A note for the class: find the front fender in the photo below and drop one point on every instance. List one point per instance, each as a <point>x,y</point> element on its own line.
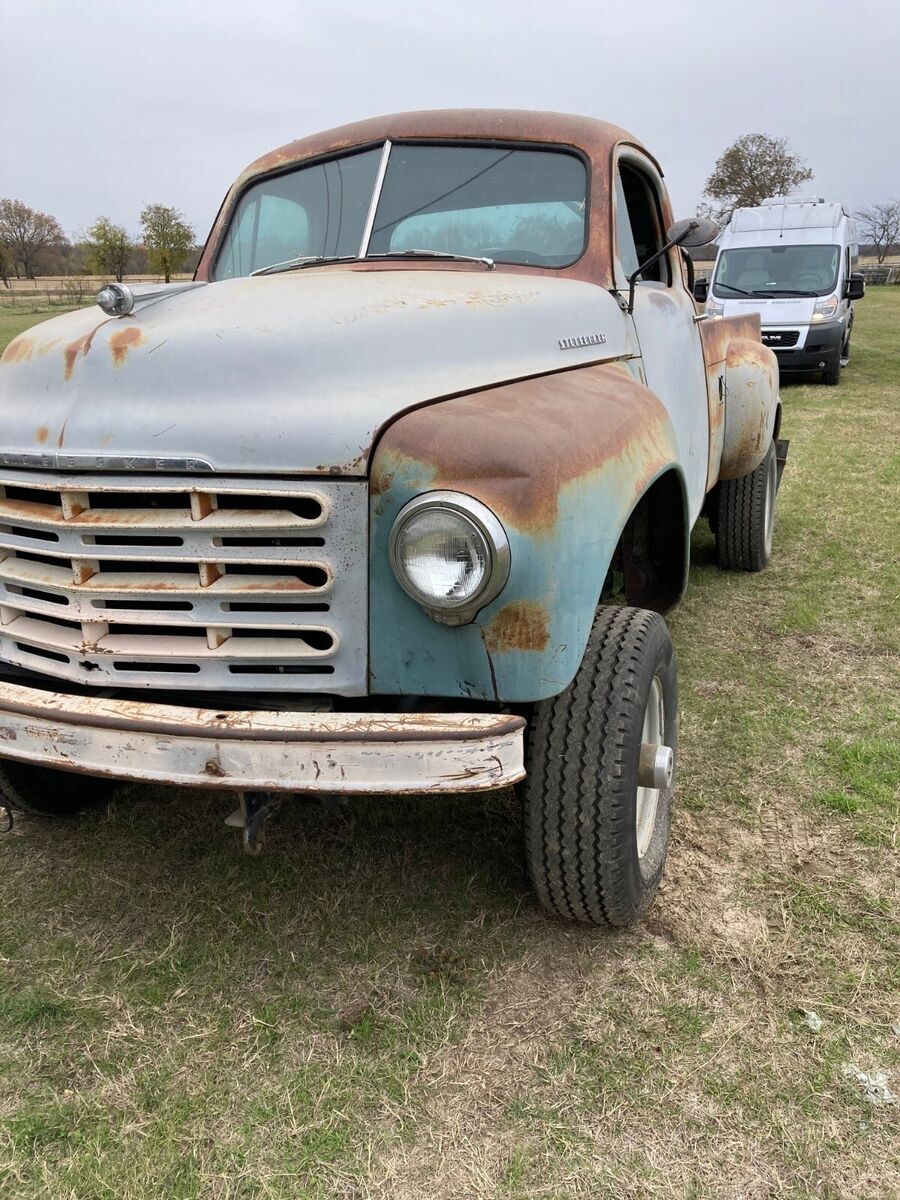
<point>562,460</point>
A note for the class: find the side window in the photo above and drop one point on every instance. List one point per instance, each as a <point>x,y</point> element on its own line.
<point>639,222</point>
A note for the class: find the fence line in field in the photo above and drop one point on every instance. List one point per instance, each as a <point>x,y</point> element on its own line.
<point>68,290</point>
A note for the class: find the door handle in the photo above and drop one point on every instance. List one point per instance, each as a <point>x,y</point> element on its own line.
<point>700,317</point>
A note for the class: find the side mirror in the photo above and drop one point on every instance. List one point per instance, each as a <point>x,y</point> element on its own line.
<point>856,287</point>
<point>701,290</point>
<point>694,231</point>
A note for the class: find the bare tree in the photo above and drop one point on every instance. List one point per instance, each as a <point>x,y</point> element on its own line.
<point>27,235</point>
<point>167,237</point>
<point>879,226</point>
<point>751,170</point>
<point>109,247</point>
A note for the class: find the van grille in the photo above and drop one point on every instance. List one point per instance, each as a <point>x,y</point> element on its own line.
<point>219,583</point>
<point>779,339</point>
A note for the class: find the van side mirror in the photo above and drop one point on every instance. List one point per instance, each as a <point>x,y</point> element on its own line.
<point>701,290</point>
<point>856,286</point>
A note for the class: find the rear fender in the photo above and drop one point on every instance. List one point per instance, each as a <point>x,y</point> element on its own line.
<point>751,406</point>
<point>563,461</point>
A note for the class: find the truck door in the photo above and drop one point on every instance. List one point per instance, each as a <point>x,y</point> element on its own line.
<point>665,318</point>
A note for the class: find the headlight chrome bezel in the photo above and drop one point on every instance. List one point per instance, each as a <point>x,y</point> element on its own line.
<point>485,524</point>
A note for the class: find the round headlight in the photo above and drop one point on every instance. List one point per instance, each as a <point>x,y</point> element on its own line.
<point>450,554</point>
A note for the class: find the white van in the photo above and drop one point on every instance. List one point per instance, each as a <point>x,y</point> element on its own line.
<point>791,260</point>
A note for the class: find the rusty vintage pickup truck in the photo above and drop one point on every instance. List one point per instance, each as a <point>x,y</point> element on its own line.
<point>390,497</point>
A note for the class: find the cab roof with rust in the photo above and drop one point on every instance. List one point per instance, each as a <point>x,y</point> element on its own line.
<point>594,138</point>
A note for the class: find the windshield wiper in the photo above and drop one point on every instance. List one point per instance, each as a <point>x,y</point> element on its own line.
<point>474,258</point>
<point>784,292</point>
<point>732,288</point>
<point>312,260</point>
<point>306,260</point>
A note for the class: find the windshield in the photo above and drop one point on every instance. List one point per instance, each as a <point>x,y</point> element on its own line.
<point>508,204</point>
<point>775,270</point>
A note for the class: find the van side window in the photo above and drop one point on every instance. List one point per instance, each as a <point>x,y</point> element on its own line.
<point>639,223</point>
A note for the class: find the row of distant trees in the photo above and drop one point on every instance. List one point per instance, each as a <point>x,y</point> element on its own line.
<point>757,166</point>
<point>33,243</point>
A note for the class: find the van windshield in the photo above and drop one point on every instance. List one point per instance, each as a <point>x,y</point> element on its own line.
<point>507,203</point>
<point>777,270</point>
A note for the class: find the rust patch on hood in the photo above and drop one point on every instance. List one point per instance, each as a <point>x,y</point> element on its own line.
<point>80,346</point>
<point>122,341</point>
<point>18,350</point>
<point>522,625</point>
<point>515,447</point>
<point>41,434</point>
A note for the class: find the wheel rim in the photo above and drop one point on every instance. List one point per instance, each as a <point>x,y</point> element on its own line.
<point>771,488</point>
<point>653,733</point>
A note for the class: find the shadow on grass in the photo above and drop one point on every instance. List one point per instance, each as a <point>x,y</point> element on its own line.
<point>395,880</point>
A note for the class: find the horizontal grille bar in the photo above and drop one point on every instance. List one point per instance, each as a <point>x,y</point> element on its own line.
<point>105,583</point>
<point>97,520</point>
<point>157,646</point>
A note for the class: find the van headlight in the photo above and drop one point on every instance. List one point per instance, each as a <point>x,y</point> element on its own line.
<point>450,554</point>
<point>715,308</point>
<point>825,308</point>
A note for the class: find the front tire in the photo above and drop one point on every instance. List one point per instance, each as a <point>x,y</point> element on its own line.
<point>831,376</point>
<point>744,522</point>
<point>45,792</point>
<point>595,840</point>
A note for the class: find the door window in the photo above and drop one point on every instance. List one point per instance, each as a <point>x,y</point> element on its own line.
<point>639,225</point>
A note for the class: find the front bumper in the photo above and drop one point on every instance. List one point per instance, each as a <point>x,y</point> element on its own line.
<point>347,753</point>
<point>823,343</point>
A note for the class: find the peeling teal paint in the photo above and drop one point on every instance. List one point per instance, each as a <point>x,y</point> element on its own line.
<point>558,574</point>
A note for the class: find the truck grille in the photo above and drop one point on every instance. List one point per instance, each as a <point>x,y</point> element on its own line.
<point>199,582</point>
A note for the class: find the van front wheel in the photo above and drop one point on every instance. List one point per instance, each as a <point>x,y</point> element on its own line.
<point>832,373</point>
<point>600,759</point>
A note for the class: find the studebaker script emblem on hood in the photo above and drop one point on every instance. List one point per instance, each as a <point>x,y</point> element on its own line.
<point>103,462</point>
<point>587,339</point>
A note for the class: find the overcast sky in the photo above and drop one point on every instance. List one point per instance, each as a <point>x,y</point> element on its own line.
<point>111,104</point>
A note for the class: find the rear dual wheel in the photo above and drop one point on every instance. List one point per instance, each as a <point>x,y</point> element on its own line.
<point>743,517</point>
<point>600,759</point>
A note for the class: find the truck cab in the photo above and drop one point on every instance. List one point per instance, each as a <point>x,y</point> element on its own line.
<point>390,498</point>
<point>793,261</point>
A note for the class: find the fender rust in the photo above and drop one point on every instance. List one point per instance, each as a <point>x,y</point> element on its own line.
<point>517,446</point>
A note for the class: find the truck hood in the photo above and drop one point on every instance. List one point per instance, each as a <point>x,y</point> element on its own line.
<point>292,373</point>
<point>774,312</point>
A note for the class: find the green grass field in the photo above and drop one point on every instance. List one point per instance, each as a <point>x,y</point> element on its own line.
<point>375,1008</point>
<point>14,321</point>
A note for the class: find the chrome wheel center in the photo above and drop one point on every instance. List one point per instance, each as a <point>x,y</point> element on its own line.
<point>655,768</point>
<point>769,515</point>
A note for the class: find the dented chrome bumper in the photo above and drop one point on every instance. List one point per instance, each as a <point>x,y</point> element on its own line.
<point>349,753</point>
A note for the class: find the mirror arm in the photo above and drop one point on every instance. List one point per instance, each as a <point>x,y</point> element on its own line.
<point>633,277</point>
